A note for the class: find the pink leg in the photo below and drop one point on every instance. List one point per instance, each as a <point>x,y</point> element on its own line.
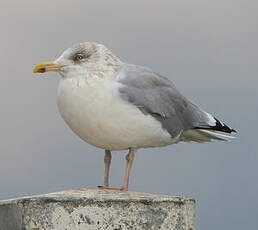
<point>107,160</point>
<point>129,161</point>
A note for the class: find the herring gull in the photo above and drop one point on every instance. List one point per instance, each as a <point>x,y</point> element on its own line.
<point>118,106</point>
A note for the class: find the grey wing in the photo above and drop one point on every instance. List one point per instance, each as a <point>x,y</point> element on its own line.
<point>155,95</point>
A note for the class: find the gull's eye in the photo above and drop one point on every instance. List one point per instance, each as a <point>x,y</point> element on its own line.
<point>78,57</point>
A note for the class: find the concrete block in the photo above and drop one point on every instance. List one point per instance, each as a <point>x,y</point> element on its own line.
<point>96,209</point>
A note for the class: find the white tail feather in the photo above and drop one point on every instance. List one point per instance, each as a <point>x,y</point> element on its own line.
<point>201,135</point>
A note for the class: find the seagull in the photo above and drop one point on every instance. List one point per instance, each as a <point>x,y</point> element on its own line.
<point>113,105</point>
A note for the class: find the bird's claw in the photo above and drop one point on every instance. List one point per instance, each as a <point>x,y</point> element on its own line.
<point>116,189</point>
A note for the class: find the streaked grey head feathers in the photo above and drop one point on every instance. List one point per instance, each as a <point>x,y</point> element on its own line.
<point>87,58</point>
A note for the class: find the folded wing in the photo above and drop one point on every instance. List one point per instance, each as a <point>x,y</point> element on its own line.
<point>156,95</point>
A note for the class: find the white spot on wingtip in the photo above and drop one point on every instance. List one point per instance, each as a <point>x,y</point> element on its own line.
<point>212,121</point>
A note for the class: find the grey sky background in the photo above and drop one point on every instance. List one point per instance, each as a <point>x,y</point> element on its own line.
<point>207,48</point>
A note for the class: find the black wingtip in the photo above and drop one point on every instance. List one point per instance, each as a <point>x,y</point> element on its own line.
<point>222,127</point>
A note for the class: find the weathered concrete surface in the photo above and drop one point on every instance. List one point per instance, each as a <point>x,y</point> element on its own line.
<point>97,209</point>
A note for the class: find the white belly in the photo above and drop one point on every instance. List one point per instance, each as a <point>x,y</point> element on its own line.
<point>96,113</point>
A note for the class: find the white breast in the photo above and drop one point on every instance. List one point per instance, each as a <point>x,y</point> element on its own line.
<point>94,110</point>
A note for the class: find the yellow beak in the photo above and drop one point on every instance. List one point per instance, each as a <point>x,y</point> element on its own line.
<point>46,66</point>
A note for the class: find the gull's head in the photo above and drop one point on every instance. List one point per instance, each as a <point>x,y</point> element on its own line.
<point>83,59</point>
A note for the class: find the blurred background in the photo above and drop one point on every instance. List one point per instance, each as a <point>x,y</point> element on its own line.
<point>207,48</point>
